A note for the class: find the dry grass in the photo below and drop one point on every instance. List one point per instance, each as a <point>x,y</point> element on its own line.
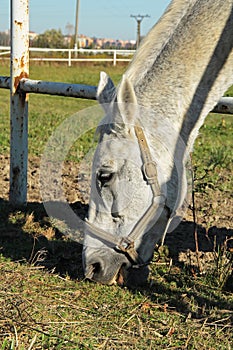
<point>40,310</point>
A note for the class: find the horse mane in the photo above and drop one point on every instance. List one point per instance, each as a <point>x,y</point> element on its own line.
<point>185,63</point>
<point>157,39</point>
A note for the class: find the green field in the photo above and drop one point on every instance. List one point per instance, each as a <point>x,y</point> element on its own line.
<point>44,301</point>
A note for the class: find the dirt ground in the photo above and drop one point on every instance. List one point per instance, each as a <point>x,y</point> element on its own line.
<point>214,212</point>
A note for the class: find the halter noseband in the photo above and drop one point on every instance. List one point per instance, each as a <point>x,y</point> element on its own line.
<point>126,244</point>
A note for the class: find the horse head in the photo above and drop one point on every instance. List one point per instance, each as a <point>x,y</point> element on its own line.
<point>178,74</point>
<point>127,211</point>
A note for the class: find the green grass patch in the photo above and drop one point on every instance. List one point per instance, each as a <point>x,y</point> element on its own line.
<point>213,154</point>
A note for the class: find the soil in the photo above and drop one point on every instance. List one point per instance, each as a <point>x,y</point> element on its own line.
<point>213,212</point>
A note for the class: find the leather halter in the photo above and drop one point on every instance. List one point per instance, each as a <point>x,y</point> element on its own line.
<point>126,244</point>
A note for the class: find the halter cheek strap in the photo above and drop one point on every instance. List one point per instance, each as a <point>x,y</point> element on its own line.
<point>127,244</point>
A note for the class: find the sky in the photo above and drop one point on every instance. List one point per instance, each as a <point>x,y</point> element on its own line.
<point>97,18</point>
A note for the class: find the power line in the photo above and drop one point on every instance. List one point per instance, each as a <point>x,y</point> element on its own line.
<point>139,19</point>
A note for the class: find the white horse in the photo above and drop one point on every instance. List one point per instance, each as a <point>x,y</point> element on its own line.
<point>181,69</point>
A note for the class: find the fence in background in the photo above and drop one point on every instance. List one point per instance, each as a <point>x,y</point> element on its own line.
<point>20,85</point>
<point>70,55</point>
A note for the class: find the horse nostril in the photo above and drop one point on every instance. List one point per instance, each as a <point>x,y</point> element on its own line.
<point>96,268</point>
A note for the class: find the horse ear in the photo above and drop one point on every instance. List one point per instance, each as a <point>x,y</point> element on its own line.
<point>106,90</point>
<point>127,101</point>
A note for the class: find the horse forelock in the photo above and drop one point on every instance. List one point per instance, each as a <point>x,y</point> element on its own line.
<point>110,127</point>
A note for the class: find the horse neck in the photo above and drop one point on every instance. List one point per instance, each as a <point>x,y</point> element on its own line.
<point>185,64</point>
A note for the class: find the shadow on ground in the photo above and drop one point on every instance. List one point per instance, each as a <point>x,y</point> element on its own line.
<point>28,236</point>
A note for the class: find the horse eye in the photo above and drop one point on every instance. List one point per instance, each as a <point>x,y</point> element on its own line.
<point>104,177</point>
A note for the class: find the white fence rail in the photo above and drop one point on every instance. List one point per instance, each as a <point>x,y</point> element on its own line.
<point>80,55</point>
<point>51,88</point>
<point>224,106</point>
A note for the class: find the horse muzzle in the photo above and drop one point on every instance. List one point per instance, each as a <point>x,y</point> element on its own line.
<point>107,266</point>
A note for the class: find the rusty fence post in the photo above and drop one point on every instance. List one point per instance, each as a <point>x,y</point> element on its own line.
<point>19,102</point>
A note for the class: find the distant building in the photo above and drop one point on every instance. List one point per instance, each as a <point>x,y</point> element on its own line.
<point>131,44</point>
<point>83,41</point>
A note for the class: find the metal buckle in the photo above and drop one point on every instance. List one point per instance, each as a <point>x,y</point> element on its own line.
<point>125,245</point>
<point>150,171</point>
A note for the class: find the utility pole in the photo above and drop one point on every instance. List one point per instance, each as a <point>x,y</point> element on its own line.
<point>139,19</point>
<point>76,29</point>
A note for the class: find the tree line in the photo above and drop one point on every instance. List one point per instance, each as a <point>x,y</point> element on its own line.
<point>51,38</point>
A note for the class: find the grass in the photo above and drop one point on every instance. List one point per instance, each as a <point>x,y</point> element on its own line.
<point>45,303</point>
<point>214,160</point>
<point>47,311</point>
